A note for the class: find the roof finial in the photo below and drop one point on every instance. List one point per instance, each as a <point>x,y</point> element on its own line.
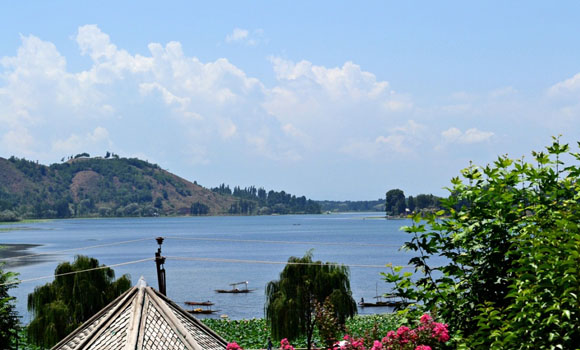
<point>141,283</point>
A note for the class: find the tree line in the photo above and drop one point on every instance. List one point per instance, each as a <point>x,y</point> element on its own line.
<point>352,206</point>
<point>254,200</point>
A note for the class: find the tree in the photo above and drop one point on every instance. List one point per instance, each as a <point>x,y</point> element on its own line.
<point>424,201</point>
<point>512,274</point>
<point>198,208</point>
<point>291,301</point>
<point>9,325</point>
<point>395,203</point>
<point>61,306</point>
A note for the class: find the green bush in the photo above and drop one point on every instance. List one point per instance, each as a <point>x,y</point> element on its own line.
<point>511,239</point>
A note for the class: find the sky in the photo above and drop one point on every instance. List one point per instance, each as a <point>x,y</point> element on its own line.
<point>328,99</point>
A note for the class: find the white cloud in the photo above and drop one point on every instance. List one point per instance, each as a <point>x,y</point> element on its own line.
<point>348,80</point>
<point>331,105</point>
<point>400,141</point>
<point>200,101</point>
<point>473,135</point>
<point>565,87</point>
<point>237,35</point>
<point>243,36</point>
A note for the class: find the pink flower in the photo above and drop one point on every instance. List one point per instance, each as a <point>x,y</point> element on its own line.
<point>425,318</point>
<point>423,347</point>
<point>391,335</point>
<point>233,346</point>
<point>377,345</point>
<point>285,345</point>
<point>440,332</point>
<point>402,331</point>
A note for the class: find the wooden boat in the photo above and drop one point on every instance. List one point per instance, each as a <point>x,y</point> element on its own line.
<point>381,303</point>
<point>235,288</point>
<point>205,309</point>
<point>390,302</point>
<point>200,303</point>
<point>199,310</point>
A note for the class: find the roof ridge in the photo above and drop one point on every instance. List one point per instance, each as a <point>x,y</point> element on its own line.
<point>142,314</point>
<point>114,305</point>
<point>136,316</point>
<point>172,320</point>
<point>191,317</point>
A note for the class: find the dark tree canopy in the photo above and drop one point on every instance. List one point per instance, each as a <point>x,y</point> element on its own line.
<point>61,306</point>
<point>395,204</point>
<point>291,301</point>
<point>9,324</point>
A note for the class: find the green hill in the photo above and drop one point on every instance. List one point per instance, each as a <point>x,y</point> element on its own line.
<point>98,187</point>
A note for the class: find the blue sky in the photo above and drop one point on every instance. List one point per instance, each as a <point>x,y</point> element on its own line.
<point>332,100</point>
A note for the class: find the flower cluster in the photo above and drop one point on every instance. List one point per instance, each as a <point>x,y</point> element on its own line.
<point>426,336</point>
<point>285,345</point>
<point>233,346</point>
<point>350,343</point>
<point>437,330</point>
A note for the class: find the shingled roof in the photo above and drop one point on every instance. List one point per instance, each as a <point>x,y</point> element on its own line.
<point>142,318</point>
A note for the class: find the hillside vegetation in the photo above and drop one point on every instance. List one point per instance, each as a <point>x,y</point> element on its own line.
<point>85,187</point>
<point>115,187</point>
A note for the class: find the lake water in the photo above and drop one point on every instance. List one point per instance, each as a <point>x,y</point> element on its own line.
<point>350,239</point>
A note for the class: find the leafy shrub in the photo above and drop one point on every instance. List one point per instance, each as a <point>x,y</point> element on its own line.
<point>511,238</point>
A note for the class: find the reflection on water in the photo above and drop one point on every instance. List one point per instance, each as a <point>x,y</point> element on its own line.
<point>15,255</point>
<point>216,239</point>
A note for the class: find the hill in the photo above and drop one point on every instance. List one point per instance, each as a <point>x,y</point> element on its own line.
<point>99,187</point>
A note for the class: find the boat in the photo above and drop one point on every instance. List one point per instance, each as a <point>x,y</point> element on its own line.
<point>203,303</point>
<point>200,310</point>
<point>391,301</point>
<point>206,309</point>
<point>383,303</point>
<point>235,288</point>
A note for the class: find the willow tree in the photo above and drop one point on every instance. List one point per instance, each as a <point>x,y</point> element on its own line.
<point>291,301</point>
<point>61,306</point>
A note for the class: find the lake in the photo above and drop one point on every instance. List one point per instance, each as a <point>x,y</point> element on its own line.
<point>200,251</point>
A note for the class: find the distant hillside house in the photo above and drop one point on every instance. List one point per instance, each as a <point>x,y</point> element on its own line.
<point>142,318</point>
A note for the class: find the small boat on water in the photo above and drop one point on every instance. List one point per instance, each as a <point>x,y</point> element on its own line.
<point>206,309</point>
<point>391,301</point>
<point>200,310</point>
<point>235,288</point>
